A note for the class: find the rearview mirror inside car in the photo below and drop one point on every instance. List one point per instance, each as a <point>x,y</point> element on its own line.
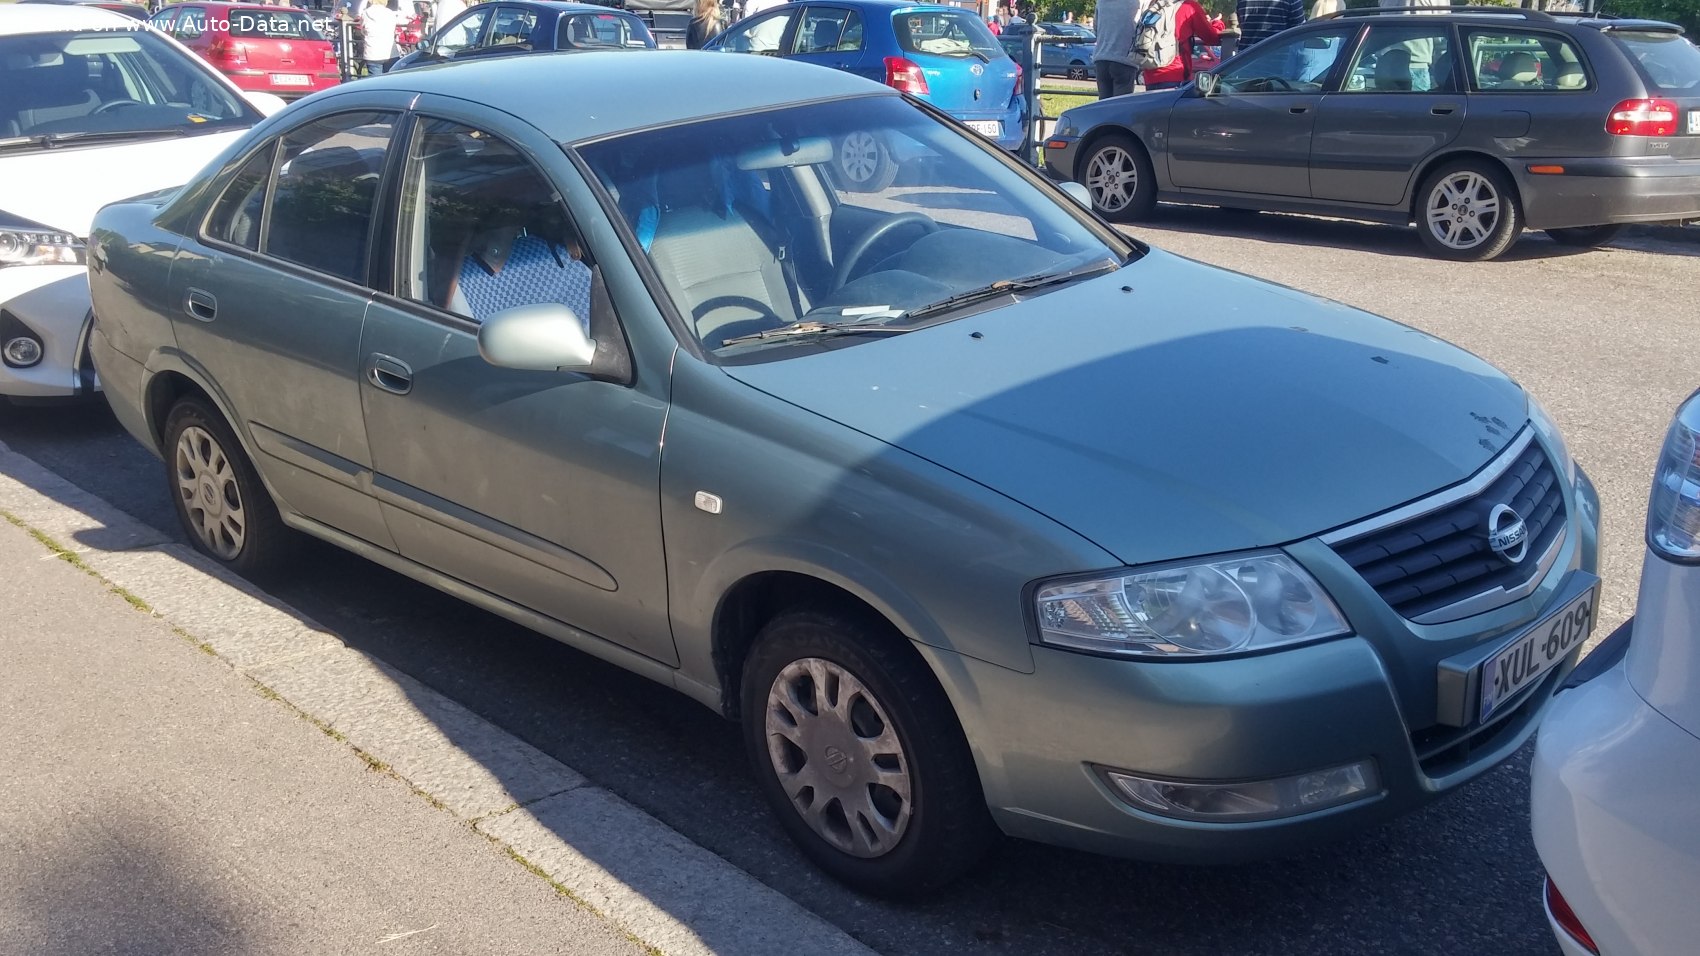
<point>544,337</point>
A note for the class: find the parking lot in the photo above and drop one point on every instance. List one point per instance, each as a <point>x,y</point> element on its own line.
<point>1604,338</point>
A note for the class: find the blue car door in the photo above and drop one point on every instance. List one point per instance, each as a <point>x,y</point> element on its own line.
<point>832,36</point>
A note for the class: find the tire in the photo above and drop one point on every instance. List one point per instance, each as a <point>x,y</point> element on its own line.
<point>1077,71</point>
<point>224,508</point>
<point>1468,211</point>
<point>1585,236</point>
<point>862,163</point>
<point>893,845</point>
<point>1119,176</point>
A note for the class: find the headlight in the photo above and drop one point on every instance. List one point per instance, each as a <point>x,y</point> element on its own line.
<point>20,247</point>
<point>1239,603</point>
<point>1548,430</point>
<point>1673,514</point>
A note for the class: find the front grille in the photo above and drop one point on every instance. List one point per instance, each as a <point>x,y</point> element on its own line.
<point>1442,557</point>
<point>1444,750</point>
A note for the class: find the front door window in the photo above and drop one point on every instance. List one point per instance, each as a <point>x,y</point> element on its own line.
<point>1298,64</point>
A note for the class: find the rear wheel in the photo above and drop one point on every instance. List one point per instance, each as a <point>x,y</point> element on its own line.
<point>226,511</point>
<point>1467,211</point>
<point>1585,236</point>
<point>863,164</point>
<point>861,756</point>
<point>1119,176</point>
<point>1077,71</point>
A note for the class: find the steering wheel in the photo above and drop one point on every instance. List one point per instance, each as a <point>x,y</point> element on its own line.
<point>765,317</point>
<point>853,256</point>
<point>114,104</point>
<point>1276,84</point>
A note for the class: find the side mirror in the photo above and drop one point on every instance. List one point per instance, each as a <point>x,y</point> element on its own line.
<point>1078,193</point>
<point>266,103</point>
<point>1206,84</point>
<point>545,337</point>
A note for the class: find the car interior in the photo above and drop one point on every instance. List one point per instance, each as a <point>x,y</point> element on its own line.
<point>96,83</point>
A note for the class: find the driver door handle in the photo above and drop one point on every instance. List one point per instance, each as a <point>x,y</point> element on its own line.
<point>1443,109</point>
<point>389,374</point>
<point>1298,110</point>
<point>201,305</point>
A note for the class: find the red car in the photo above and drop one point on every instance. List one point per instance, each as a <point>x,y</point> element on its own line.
<point>261,48</point>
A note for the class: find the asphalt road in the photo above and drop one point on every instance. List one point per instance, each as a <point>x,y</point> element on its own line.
<point>1605,339</point>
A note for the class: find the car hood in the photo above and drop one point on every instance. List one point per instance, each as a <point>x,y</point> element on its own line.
<point>1172,409</point>
<point>86,178</point>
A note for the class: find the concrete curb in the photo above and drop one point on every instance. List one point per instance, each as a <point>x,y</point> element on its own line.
<point>664,890</point>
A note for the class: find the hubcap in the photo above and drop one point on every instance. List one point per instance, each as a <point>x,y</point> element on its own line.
<point>1112,176</point>
<point>206,483</point>
<point>838,757</point>
<point>859,156</point>
<point>1463,210</point>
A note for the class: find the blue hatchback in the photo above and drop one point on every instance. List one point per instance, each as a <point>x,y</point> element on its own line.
<point>943,55</point>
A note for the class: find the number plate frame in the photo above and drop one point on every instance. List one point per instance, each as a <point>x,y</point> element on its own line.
<point>1526,659</point>
<point>988,128</point>
<point>291,79</point>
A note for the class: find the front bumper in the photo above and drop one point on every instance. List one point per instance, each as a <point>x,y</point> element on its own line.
<point>1614,817</point>
<point>50,303</point>
<point>1592,192</point>
<point>1042,739</point>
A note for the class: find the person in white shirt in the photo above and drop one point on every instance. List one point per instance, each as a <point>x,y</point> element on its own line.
<point>442,11</point>
<point>753,7</point>
<point>377,24</point>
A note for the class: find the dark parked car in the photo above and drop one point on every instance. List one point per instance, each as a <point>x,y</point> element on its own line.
<point>968,535</point>
<point>259,46</point>
<point>509,28</point>
<point>1473,125</point>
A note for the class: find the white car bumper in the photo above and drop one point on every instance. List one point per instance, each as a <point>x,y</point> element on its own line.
<point>50,303</point>
<point>1616,821</point>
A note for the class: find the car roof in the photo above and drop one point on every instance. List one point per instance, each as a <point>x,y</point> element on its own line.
<point>17,19</point>
<point>564,6</point>
<point>896,5</point>
<point>1499,16</point>
<point>615,91</point>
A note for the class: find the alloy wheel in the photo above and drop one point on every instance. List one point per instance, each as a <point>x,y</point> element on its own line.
<point>1112,176</point>
<point>859,156</point>
<point>1463,209</point>
<point>206,483</point>
<point>838,757</point>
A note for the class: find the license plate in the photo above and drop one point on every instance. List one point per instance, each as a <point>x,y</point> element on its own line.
<point>290,79</point>
<point>1523,661</point>
<point>1694,121</point>
<point>986,127</point>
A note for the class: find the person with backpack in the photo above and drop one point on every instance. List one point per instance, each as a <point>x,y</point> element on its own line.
<point>1162,40</point>
<point>1113,61</point>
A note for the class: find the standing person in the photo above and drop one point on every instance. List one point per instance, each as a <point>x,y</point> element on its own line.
<point>378,23</point>
<point>1113,60</point>
<point>753,7</point>
<point>1262,19</point>
<point>1190,22</point>
<point>442,11</point>
<point>705,25</point>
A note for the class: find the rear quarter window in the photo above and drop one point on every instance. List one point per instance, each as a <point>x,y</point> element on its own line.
<point>1667,61</point>
<point>944,33</point>
<point>266,24</point>
<point>1524,62</point>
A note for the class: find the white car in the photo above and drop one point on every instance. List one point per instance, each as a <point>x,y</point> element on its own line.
<point>94,107</point>
<point>1616,798</point>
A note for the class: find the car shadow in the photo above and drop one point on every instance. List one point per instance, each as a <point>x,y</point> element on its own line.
<point>1302,230</point>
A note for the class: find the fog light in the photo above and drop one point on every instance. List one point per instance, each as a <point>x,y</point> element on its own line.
<point>21,352</point>
<point>1252,800</point>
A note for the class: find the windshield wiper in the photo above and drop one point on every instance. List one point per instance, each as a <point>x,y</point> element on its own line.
<point>812,327</point>
<point>1008,286</point>
<point>51,140</point>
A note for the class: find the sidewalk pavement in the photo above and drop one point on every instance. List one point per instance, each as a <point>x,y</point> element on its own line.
<point>188,765</point>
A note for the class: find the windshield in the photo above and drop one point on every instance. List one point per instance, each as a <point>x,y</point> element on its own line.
<point>597,30</point>
<point>114,84</point>
<point>1669,62</point>
<point>287,25</point>
<point>762,221</point>
<point>944,32</point>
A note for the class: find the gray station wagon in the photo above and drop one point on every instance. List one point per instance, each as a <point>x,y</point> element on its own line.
<point>1474,124</point>
<point>942,490</point>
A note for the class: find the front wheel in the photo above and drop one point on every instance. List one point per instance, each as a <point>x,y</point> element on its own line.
<point>1468,211</point>
<point>1585,236</point>
<point>860,755</point>
<point>1119,177</point>
<point>225,509</point>
<point>1077,71</point>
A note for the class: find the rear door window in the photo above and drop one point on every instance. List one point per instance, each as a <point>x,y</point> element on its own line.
<point>1668,61</point>
<point>595,30</point>
<point>320,214</point>
<point>828,30</point>
<point>281,25</point>
<point>511,26</point>
<point>1524,62</point>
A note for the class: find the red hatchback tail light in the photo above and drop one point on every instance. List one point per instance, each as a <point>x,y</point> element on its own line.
<point>903,75</point>
<point>1566,918</point>
<point>1643,118</point>
<point>226,53</point>
<point>330,57</point>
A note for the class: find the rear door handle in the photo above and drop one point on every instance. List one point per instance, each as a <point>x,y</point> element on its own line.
<point>389,373</point>
<point>1298,110</point>
<point>201,305</point>
<point>1444,109</point>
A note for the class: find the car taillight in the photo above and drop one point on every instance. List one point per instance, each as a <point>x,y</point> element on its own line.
<point>1566,919</point>
<point>1642,118</point>
<point>904,76</point>
<point>1673,514</point>
<point>230,54</point>
<point>1016,96</point>
<point>330,57</point>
